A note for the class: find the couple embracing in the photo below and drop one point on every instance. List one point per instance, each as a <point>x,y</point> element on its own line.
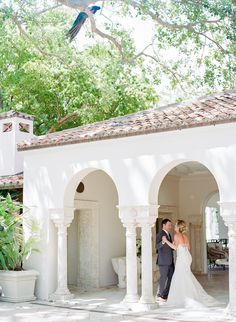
<point>177,285</point>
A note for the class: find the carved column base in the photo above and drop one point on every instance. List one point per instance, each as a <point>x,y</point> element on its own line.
<point>131,298</point>
<point>138,306</point>
<point>148,306</point>
<point>147,300</point>
<point>231,310</point>
<point>61,295</point>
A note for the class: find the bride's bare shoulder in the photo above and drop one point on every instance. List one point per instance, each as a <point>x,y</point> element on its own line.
<point>177,236</point>
<point>181,238</point>
<point>185,237</point>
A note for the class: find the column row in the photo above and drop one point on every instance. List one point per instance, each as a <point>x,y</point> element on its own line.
<point>143,217</point>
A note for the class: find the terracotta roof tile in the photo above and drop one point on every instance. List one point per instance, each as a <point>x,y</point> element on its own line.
<point>12,181</point>
<point>209,110</point>
<point>6,115</point>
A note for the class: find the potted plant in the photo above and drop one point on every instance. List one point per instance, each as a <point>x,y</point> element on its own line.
<point>17,284</point>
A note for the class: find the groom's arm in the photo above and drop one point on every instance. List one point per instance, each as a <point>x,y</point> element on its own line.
<point>159,243</point>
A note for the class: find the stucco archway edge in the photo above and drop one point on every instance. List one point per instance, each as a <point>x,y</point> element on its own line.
<point>133,188</point>
<point>68,191</point>
<point>164,169</point>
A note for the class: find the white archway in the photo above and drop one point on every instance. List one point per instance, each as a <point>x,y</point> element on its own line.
<point>163,171</point>
<point>176,200</point>
<point>95,225</point>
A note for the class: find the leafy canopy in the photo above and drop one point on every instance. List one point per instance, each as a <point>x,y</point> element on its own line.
<point>191,52</point>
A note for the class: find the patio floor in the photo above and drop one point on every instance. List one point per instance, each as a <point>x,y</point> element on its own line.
<point>105,305</point>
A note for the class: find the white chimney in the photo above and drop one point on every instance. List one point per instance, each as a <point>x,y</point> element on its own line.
<point>14,127</point>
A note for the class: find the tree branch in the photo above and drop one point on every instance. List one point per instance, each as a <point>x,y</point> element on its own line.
<point>212,40</point>
<point>31,41</point>
<point>48,9</point>
<point>189,26</point>
<point>156,17</point>
<point>103,34</point>
<point>71,4</point>
<point>166,68</point>
<point>69,117</point>
<point>141,53</point>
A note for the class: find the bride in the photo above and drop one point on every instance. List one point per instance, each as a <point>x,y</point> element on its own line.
<point>185,290</point>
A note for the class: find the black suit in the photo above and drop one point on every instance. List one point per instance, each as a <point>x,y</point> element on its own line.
<point>165,262</point>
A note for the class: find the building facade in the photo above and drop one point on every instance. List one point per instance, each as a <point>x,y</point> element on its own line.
<point>97,188</point>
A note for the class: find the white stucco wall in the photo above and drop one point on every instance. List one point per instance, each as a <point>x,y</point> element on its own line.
<point>137,166</point>
<point>169,191</point>
<point>193,192</point>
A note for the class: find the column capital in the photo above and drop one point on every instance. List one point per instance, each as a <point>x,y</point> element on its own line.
<point>62,216</point>
<point>147,214</point>
<point>127,214</point>
<point>138,213</point>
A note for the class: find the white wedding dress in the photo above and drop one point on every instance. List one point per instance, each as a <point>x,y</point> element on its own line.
<point>185,290</point>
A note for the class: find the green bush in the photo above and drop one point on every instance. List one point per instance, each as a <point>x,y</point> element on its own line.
<point>13,248</point>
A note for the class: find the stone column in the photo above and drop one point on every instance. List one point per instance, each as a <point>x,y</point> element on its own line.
<point>146,219</point>
<point>127,216</point>
<point>62,222</point>
<point>228,212</point>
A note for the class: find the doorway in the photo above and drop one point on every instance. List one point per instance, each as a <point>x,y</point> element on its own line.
<point>215,235</point>
<point>87,276</point>
<point>83,246</point>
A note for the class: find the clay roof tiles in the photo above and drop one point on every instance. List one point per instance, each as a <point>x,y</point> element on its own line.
<point>209,110</point>
<point>11,181</point>
<point>9,114</point>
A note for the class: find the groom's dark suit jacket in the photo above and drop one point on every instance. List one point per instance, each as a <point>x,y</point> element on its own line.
<point>165,252</point>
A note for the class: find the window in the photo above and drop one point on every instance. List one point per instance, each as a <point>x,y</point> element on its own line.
<point>7,127</point>
<point>23,127</point>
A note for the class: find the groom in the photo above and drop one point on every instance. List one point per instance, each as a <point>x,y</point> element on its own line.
<point>165,260</point>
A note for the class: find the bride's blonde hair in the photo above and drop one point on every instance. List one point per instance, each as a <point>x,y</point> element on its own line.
<point>181,224</point>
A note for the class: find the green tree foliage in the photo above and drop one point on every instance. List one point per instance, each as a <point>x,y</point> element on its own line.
<point>42,74</point>
<point>192,52</point>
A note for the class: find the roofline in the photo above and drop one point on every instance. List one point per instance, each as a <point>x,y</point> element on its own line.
<point>13,113</point>
<point>11,186</point>
<point>131,134</point>
<point>196,99</point>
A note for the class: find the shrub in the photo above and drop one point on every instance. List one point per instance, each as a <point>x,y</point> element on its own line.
<point>14,249</point>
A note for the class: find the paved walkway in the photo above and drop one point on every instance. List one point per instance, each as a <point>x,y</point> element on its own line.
<point>29,312</point>
<point>103,306</point>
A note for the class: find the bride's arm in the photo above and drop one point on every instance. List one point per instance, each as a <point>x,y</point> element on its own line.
<point>173,245</point>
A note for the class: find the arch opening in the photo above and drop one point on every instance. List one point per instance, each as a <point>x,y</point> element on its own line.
<point>216,234</point>
<point>181,190</point>
<point>96,234</point>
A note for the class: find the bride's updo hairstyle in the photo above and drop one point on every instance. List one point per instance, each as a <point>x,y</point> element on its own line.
<point>181,224</point>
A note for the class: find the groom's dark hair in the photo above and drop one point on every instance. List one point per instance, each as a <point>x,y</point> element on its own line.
<point>165,221</point>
